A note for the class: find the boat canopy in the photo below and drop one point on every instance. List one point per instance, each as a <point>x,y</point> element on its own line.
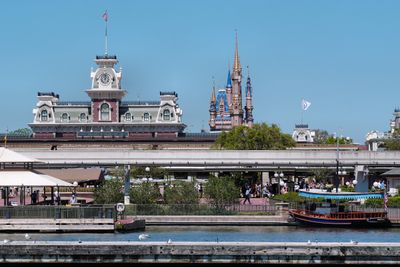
<point>342,195</point>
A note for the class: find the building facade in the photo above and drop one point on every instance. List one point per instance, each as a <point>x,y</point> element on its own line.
<point>106,115</point>
<point>226,107</point>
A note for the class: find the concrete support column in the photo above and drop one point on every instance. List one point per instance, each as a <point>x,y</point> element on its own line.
<point>127,185</point>
<point>361,176</point>
<point>265,178</point>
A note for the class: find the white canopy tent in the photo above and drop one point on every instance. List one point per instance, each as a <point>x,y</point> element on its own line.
<point>27,178</point>
<point>9,156</point>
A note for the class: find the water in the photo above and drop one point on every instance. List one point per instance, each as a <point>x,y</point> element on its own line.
<point>228,234</point>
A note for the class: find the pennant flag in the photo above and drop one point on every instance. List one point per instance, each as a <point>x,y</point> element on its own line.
<point>305,104</point>
<point>105,16</point>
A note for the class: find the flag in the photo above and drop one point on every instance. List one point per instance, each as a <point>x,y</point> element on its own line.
<point>385,201</point>
<point>305,104</point>
<point>105,16</point>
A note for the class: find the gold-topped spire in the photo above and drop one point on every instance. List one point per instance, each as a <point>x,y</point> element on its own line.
<point>213,99</point>
<point>236,63</point>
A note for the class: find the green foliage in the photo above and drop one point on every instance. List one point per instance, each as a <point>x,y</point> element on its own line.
<point>221,190</point>
<point>320,136</point>
<point>259,137</point>
<point>109,192</point>
<point>393,143</point>
<point>346,188</point>
<point>181,193</point>
<point>393,202</point>
<point>154,172</point>
<point>145,193</point>
<point>342,140</point>
<point>322,174</point>
<point>21,132</point>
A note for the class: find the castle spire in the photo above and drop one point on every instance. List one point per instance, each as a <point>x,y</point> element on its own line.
<point>213,100</point>
<point>236,64</point>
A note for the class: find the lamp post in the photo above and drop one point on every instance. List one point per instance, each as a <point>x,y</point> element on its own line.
<point>147,170</point>
<point>337,165</point>
<point>342,173</point>
<point>280,182</point>
<point>127,185</point>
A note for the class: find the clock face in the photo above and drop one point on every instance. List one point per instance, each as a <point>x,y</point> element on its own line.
<point>105,78</point>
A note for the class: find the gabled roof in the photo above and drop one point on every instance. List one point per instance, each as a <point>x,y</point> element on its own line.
<point>9,156</point>
<point>79,175</point>
<point>392,172</point>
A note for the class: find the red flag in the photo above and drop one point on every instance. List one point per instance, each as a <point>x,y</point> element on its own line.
<point>105,16</point>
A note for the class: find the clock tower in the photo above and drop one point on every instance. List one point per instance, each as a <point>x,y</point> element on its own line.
<point>106,92</point>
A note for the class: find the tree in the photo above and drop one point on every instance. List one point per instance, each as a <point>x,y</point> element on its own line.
<point>21,132</point>
<point>145,193</point>
<point>320,136</point>
<point>259,137</point>
<point>221,190</point>
<point>393,143</point>
<point>181,193</point>
<point>323,137</point>
<point>109,192</point>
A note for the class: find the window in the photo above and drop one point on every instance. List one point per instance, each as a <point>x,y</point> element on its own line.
<point>64,117</point>
<point>44,115</point>
<point>105,112</point>
<point>128,116</point>
<point>82,117</point>
<point>166,114</point>
<point>146,116</point>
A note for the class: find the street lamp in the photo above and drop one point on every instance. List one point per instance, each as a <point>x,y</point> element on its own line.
<point>354,182</point>
<point>147,170</point>
<point>280,182</point>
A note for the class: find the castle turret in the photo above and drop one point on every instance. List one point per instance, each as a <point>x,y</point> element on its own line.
<point>249,101</point>
<point>213,109</point>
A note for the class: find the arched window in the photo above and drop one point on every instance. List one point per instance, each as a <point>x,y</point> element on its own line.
<point>146,116</point>
<point>44,115</point>
<point>166,114</point>
<point>64,117</point>
<point>128,116</point>
<point>82,117</point>
<point>105,112</point>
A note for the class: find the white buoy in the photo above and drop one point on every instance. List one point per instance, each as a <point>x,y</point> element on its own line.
<point>27,236</point>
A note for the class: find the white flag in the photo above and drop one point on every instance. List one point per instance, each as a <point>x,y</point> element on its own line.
<point>305,104</point>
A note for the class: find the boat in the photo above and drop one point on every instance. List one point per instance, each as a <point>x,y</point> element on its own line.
<point>334,213</point>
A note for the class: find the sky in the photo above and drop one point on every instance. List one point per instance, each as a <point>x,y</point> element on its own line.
<point>342,56</point>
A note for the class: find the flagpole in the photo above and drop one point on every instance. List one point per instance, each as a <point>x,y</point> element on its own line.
<point>106,37</point>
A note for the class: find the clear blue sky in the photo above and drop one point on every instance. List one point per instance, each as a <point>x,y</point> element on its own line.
<point>342,56</point>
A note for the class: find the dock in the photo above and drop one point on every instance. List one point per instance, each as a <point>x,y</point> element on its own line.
<point>170,252</point>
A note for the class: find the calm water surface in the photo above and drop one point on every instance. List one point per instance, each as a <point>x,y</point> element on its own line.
<point>224,233</point>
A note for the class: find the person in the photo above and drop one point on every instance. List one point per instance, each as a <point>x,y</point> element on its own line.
<point>247,195</point>
<point>34,197</point>
<point>57,198</point>
<point>73,199</point>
